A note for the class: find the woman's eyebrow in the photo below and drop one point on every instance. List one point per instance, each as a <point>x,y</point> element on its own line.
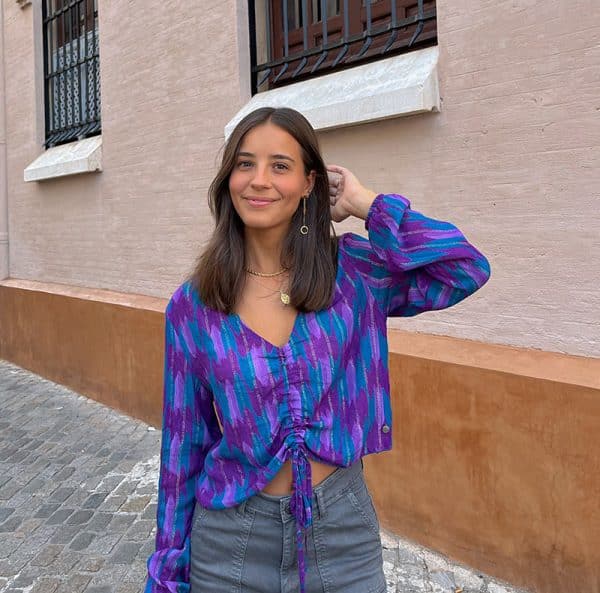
<point>284,157</point>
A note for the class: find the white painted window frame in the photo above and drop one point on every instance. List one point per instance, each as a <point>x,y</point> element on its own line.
<point>73,158</point>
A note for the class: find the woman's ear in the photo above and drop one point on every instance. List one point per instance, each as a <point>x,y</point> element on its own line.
<point>310,182</point>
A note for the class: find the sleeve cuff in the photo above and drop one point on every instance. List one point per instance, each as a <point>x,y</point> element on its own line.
<point>372,208</point>
<point>379,204</point>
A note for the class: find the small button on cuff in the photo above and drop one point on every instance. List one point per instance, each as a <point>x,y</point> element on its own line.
<point>385,428</point>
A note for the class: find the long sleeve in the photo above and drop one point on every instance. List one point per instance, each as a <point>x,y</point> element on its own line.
<point>415,263</point>
<point>189,429</point>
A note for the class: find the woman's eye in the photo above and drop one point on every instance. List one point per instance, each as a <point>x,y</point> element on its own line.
<point>281,166</point>
<point>244,164</point>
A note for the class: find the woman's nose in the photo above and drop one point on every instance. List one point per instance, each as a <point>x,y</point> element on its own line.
<point>261,176</point>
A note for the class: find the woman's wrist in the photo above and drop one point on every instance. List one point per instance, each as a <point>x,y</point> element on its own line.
<point>361,203</point>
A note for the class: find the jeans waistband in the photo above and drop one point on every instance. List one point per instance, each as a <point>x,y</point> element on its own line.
<point>326,492</point>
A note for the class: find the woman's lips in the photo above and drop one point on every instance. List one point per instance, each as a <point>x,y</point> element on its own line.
<point>259,202</point>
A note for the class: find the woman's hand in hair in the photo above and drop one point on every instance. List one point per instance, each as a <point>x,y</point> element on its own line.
<point>347,195</point>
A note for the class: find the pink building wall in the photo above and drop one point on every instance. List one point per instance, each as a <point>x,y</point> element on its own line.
<point>513,158</point>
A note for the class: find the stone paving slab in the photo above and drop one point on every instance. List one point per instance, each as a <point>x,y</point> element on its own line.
<point>78,500</point>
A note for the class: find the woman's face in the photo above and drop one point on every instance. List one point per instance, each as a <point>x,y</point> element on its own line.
<point>268,180</point>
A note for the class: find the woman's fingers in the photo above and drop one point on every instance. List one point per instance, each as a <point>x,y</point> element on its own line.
<point>336,169</point>
<point>338,176</point>
<point>336,179</point>
<point>336,183</point>
<point>335,172</point>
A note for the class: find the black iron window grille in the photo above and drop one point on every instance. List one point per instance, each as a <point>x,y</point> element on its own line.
<point>293,40</point>
<point>71,70</point>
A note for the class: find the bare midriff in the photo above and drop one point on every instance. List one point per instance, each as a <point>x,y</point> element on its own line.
<point>281,484</point>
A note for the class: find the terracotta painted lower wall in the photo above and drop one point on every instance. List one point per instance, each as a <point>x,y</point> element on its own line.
<point>105,345</point>
<point>498,470</point>
<point>496,458</point>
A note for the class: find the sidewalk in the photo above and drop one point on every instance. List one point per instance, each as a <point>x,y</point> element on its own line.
<point>78,500</point>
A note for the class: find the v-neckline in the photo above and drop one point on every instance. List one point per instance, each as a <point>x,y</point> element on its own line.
<point>245,327</point>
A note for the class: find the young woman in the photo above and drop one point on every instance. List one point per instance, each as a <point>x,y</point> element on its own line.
<point>276,380</point>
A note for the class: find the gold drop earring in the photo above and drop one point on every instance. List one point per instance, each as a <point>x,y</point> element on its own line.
<point>304,228</point>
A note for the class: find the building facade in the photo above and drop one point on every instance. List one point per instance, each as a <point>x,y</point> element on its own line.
<point>488,119</point>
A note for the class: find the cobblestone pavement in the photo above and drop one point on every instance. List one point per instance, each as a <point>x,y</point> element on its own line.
<point>78,500</point>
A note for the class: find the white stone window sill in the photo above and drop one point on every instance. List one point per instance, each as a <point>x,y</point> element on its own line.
<point>393,87</point>
<point>81,156</point>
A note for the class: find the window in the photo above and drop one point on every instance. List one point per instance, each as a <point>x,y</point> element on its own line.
<point>71,70</point>
<point>294,40</point>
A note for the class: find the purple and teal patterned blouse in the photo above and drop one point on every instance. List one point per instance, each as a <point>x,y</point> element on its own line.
<point>324,395</point>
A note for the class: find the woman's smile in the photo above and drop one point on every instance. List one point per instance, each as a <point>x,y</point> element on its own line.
<point>257,202</point>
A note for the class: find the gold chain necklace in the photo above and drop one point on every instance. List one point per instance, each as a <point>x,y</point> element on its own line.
<point>262,275</point>
<point>284,297</point>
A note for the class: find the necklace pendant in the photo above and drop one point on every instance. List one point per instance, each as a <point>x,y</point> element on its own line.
<point>285,297</point>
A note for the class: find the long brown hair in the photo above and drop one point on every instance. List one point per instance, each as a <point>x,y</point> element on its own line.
<point>219,276</point>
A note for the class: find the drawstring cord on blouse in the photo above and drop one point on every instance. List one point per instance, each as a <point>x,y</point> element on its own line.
<point>301,505</point>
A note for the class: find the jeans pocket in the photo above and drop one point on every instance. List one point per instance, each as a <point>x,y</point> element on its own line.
<point>217,547</point>
<point>360,498</point>
<point>348,546</point>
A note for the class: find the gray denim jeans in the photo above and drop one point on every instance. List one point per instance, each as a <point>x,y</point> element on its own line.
<point>251,547</point>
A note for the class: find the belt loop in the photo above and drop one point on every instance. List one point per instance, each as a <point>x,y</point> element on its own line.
<point>284,508</point>
<point>242,507</point>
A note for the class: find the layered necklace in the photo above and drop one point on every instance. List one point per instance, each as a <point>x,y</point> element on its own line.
<point>283,296</point>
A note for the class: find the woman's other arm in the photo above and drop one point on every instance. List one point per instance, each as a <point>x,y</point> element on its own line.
<point>189,429</point>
